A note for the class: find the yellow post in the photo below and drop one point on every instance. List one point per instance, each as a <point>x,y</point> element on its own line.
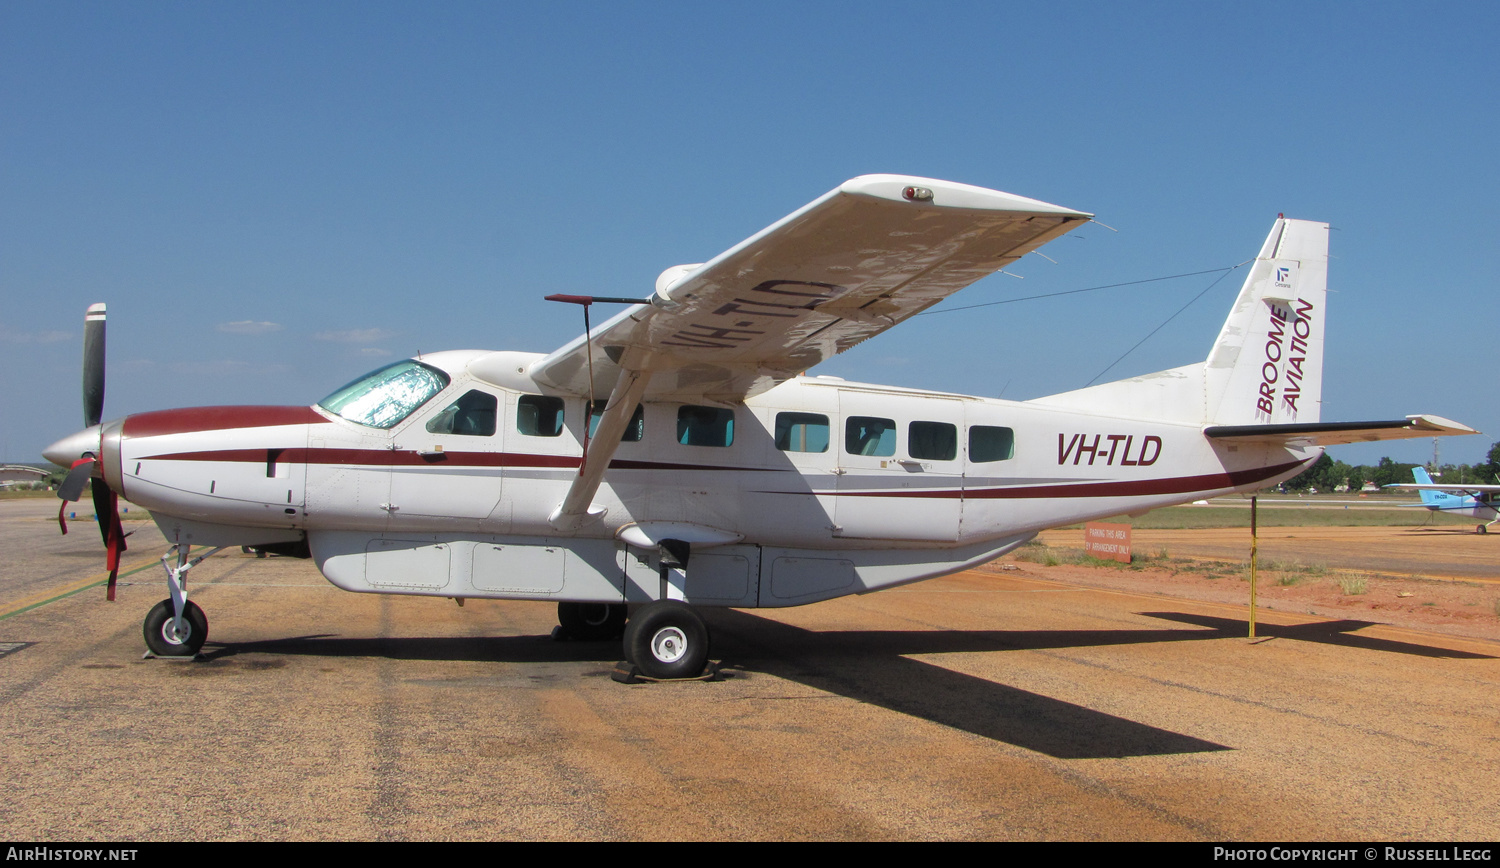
<point>1252,567</point>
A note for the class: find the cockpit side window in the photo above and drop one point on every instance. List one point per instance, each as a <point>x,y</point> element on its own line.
<point>382,398</point>
<point>472,415</point>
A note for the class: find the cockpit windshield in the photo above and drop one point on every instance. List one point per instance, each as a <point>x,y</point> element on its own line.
<point>384,397</point>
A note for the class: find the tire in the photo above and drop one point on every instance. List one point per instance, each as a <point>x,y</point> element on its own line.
<point>591,622</point>
<point>667,639</point>
<point>158,630</point>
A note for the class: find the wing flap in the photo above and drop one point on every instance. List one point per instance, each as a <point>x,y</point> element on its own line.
<point>1338,433</point>
<point>853,263</point>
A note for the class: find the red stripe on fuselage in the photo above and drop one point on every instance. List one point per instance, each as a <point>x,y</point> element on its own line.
<point>388,458</point>
<point>186,421</point>
<point>1129,488</point>
<point>1125,488</point>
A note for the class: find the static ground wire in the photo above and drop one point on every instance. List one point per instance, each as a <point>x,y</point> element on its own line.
<point>1222,272</point>
<point>1226,270</point>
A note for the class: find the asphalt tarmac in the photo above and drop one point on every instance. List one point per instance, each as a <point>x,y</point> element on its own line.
<point>979,706</point>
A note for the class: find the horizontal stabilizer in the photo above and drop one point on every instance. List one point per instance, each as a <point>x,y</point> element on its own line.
<point>1336,433</point>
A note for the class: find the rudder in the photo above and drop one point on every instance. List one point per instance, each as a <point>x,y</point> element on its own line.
<point>1266,367</point>
<point>1429,498</point>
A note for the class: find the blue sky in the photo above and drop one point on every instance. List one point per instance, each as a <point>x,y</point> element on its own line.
<point>275,197</point>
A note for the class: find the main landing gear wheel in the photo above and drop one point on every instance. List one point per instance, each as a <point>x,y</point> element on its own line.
<point>667,639</point>
<point>591,622</point>
<point>162,637</point>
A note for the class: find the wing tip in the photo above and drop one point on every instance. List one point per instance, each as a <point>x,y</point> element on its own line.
<point>1436,424</point>
<point>951,194</point>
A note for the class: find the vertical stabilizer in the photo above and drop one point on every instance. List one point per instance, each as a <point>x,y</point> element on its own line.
<point>1431,499</point>
<point>1266,367</point>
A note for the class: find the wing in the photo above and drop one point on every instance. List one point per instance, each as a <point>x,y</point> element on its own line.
<point>1337,433</point>
<point>848,266</point>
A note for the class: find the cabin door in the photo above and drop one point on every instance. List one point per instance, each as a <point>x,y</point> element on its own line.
<point>447,461</point>
<point>900,467</point>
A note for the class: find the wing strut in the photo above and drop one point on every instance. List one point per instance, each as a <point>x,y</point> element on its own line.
<point>576,509</point>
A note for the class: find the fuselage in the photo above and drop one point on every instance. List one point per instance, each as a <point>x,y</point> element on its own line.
<point>813,463</point>
<point>1483,506</point>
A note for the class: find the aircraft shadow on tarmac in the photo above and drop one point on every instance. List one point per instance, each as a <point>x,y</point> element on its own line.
<point>873,667</point>
<point>1325,632</point>
<point>479,649</point>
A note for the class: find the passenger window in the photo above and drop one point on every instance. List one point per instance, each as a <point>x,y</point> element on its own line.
<point>932,441</point>
<point>472,415</point>
<point>991,444</point>
<point>705,426</point>
<point>539,415</point>
<point>634,431</point>
<point>866,435</point>
<point>801,432</point>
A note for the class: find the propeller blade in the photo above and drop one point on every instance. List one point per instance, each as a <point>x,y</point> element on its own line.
<point>72,484</point>
<point>93,365</point>
<point>107,507</point>
<point>103,508</point>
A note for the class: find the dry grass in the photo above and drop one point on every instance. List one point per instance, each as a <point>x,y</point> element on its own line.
<point>1270,515</point>
<point>1283,573</point>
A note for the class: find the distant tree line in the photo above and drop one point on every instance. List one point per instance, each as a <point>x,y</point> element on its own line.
<point>1327,474</point>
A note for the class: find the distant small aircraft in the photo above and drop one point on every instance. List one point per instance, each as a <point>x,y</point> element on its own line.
<point>676,456</point>
<point>1479,501</point>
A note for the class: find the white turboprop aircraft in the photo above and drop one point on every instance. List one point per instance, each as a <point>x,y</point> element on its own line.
<point>716,473</point>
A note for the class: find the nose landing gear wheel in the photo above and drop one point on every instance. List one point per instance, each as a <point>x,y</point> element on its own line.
<point>591,622</point>
<point>667,639</point>
<point>162,637</point>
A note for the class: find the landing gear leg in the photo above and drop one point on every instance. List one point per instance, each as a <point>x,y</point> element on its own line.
<point>177,627</point>
<point>667,639</point>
